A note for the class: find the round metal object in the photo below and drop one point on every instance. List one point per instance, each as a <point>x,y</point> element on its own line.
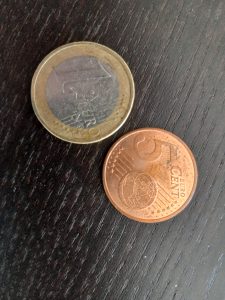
<point>150,175</point>
<point>82,92</point>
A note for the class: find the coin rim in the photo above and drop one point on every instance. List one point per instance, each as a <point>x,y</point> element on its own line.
<point>162,219</point>
<point>126,69</point>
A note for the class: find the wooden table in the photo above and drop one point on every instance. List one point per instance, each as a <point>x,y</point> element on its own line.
<point>60,236</point>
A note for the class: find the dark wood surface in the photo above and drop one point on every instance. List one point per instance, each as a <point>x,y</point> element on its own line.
<point>60,236</point>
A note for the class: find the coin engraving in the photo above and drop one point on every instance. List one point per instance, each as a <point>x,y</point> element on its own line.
<point>151,149</point>
<point>137,190</point>
<point>82,91</point>
<point>120,163</point>
<point>177,182</point>
<point>160,181</point>
<point>164,197</point>
<point>160,153</point>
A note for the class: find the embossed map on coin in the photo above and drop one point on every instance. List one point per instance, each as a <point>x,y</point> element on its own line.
<point>82,91</point>
<point>137,190</point>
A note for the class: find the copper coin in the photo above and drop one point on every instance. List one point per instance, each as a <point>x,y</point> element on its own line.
<point>150,175</point>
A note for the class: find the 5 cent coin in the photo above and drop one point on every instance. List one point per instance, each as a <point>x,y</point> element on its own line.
<point>150,175</point>
<point>82,92</point>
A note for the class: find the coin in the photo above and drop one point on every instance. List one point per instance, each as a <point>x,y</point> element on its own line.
<point>150,175</point>
<point>82,92</point>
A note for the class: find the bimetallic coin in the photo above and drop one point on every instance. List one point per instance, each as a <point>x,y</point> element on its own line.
<point>82,92</point>
<point>150,175</point>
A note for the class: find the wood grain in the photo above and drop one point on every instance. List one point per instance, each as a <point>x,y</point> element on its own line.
<point>60,237</point>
